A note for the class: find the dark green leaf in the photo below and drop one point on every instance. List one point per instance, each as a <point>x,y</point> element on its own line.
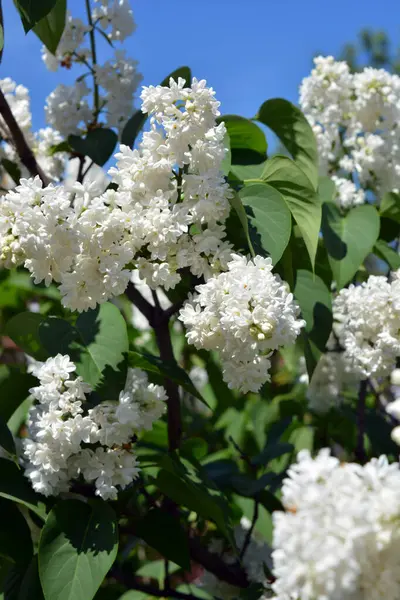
<point>14,389</point>
<point>50,29</point>
<point>78,545</point>
<point>237,204</point>
<point>163,532</point>
<point>295,133</point>
<point>315,302</point>
<point>244,135</point>
<point>15,536</point>
<point>1,38</point>
<point>183,72</point>
<point>271,451</point>
<point>304,204</point>
<point>326,189</point>
<point>133,127</point>
<point>349,239</point>
<point>390,206</point>
<point>159,368</point>
<point>269,215</point>
<point>30,588</point>
<point>249,487</point>
<point>269,501</point>
<point>33,11</point>
<point>386,253</point>
<point>6,438</point>
<point>61,147</point>
<point>98,145</point>
<point>12,169</point>
<point>23,329</point>
<point>14,486</point>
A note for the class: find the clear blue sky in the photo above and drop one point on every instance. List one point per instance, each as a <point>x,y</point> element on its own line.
<point>248,50</point>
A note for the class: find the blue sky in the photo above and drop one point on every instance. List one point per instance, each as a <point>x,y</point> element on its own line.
<point>248,50</point>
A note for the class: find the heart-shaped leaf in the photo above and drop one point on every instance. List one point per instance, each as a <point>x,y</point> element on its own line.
<point>98,145</point>
<point>348,239</point>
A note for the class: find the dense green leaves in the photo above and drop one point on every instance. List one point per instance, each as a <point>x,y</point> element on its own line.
<point>14,486</point>
<point>50,29</point>
<point>247,141</point>
<point>390,206</point>
<point>6,439</point>
<point>270,217</point>
<point>295,133</point>
<point>77,547</point>
<point>98,145</point>
<point>97,342</point>
<point>23,329</point>
<point>164,533</point>
<point>303,202</point>
<point>348,239</point>
<point>14,389</point>
<point>159,369</point>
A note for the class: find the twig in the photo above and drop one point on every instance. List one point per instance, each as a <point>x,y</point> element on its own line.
<point>360,453</point>
<point>233,574</point>
<point>2,26</point>
<point>141,303</point>
<point>80,176</point>
<point>87,169</point>
<point>24,152</point>
<point>169,312</point>
<point>250,531</point>
<point>94,62</point>
<point>132,583</point>
<point>167,582</point>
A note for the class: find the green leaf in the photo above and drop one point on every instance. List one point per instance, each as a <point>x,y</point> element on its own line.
<point>6,438</point>
<point>390,206</point>
<point>15,536</point>
<point>269,215</point>
<point>30,588</point>
<point>386,253</point>
<point>315,302</point>
<point>14,389</point>
<point>237,204</point>
<point>269,501</point>
<point>50,29</point>
<point>326,189</point>
<point>98,145</point>
<point>14,486</point>
<point>61,147</point>
<point>186,486</point>
<point>183,72</point>
<point>292,128</point>
<point>248,171</point>
<point>32,11</point>
<point>77,547</point>
<point>304,204</point>
<point>244,135</point>
<point>12,169</point>
<point>163,532</point>
<point>133,127</point>
<point>97,343</point>
<point>1,38</point>
<point>171,370</point>
<point>349,239</point>
<point>23,329</point>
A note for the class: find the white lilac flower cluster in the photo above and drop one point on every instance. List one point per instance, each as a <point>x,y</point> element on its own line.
<point>245,314</point>
<point>68,108</point>
<point>256,559</point>
<point>355,120</point>
<point>68,443</point>
<point>339,538</point>
<point>167,214</point>
<point>40,141</point>
<point>392,406</point>
<point>369,325</point>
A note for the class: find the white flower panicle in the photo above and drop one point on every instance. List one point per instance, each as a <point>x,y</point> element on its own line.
<point>67,442</point>
<point>40,142</point>
<point>162,218</point>
<point>369,318</point>
<point>339,538</point>
<point>68,108</point>
<point>245,314</point>
<point>354,118</point>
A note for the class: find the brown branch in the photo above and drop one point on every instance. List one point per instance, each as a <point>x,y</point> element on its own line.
<point>141,303</point>
<point>24,152</point>
<point>233,574</point>
<point>360,453</point>
<point>250,530</point>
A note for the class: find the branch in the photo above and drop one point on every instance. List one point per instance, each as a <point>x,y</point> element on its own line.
<point>233,574</point>
<point>250,530</point>
<point>132,583</point>
<point>24,152</point>
<point>94,62</point>
<point>141,303</point>
<point>362,395</point>
<point>2,26</point>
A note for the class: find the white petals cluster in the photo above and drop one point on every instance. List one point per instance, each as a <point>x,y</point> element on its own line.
<point>347,194</point>
<point>67,442</point>
<point>161,220</point>
<point>245,314</point>
<point>40,142</point>
<point>355,121</point>
<point>369,318</point>
<point>69,108</point>
<point>339,538</point>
